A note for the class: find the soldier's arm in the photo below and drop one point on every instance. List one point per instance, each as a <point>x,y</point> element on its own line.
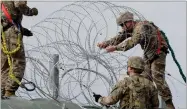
<point>22,6</point>
<point>118,38</point>
<point>154,98</point>
<point>114,97</point>
<point>137,36</point>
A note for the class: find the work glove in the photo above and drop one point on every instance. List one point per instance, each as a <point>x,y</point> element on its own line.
<point>96,96</point>
<point>27,32</point>
<point>34,11</point>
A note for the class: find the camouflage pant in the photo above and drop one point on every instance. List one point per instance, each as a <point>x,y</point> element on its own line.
<point>155,71</point>
<point>18,62</point>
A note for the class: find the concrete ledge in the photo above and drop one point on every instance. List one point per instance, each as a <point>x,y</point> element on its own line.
<point>20,103</point>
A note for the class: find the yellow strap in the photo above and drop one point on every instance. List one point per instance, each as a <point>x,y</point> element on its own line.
<point>11,75</point>
<point>4,47</point>
<point>9,53</point>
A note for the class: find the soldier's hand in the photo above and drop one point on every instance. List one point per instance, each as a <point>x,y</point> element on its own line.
<point>102,45</point>
<point>96,96</point>
<point>27,32</point>
<point>111,48</point>
<point>34,11</point>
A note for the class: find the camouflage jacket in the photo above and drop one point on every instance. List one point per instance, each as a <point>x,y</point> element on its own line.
<point>134,92</point>
<point>16,9</point>
<point>145,34</point>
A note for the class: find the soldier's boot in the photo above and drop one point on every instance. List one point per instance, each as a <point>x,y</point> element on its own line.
<point>9,93</point>
<point>169,104</point>
<point>2,92</point>
<point>4,98</point>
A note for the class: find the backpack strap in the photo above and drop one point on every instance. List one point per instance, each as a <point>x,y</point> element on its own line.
<point>9,18</point>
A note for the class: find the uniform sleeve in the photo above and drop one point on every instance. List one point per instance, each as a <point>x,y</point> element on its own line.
<point>137,36</point>
<point>154,98</point>
<point>116,94</point>
<point>22,6</point>
<point>118,38</point>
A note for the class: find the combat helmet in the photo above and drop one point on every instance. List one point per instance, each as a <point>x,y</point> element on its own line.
<point>124,17</point>
<point>136,62</point>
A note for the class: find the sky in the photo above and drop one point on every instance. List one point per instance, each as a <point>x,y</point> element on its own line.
<point>168,16</point>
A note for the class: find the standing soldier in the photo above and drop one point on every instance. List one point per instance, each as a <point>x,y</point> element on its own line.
<point>12,48</point>
<point>152,42</point>
<point>135,91</point>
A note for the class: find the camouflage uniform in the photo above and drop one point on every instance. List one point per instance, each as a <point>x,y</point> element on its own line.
<point>134,92</point>
<point>16,9</point>
<point>146,34</point>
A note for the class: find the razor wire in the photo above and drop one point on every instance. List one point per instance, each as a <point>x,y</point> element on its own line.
<point>73,32</point>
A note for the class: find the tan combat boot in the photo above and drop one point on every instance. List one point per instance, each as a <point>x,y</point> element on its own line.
<point>9,93</point>
<point>169,104</point>
<point>2,92</point>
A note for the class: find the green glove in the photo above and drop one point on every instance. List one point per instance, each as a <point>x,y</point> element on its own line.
<point>34,11</point>
<point>96,96</point>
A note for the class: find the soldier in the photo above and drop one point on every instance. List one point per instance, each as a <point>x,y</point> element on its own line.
<point>135,91</point>
<point>152,42</point>
<point>11,17</point>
